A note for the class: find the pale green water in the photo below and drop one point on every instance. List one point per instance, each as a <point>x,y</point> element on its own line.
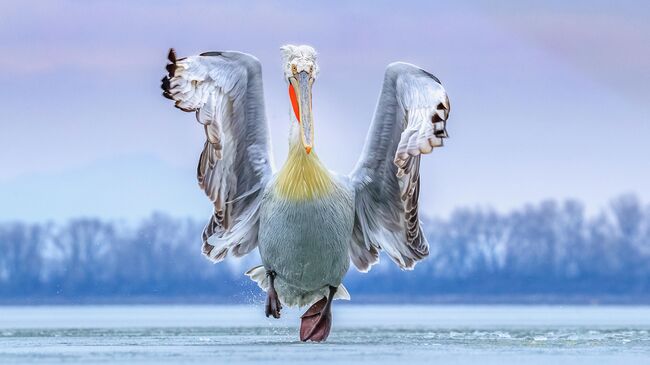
<point>370,334</point>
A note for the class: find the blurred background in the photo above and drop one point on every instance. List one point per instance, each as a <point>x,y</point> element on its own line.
<point>541,194</point>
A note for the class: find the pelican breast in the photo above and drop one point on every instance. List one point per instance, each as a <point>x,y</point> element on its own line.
<point>305,241</point>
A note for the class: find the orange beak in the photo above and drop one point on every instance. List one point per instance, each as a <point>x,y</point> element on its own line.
<point>294,102</point>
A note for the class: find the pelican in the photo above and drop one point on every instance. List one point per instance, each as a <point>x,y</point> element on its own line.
<point>307,222</point>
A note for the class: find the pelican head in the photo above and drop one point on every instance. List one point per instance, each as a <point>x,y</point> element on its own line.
<point>300,71</point>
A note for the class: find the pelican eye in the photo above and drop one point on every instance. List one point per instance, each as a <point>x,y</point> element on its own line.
<point>294,68</point>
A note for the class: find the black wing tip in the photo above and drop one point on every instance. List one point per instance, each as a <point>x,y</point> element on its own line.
<point>183,109</point>
<point>166,80</point>
<point>211,53</point>
<point>171,56</point>
<point>171,66</point>
<point>432,76</point>
<point>171,69</point>
<point>165,84</point>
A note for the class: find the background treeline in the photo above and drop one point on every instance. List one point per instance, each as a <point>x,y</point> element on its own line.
<point>546,252</point>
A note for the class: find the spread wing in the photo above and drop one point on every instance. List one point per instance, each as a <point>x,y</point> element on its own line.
<point>224,89</point>
<point>410,120</point>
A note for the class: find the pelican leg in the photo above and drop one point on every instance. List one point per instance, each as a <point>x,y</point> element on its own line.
<point>317,321</point>
<point>273,305</point>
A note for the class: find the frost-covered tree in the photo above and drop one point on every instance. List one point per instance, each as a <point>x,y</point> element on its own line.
<point>548,248</point>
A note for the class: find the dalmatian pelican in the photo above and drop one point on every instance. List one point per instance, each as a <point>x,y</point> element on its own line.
<point>307,222</point>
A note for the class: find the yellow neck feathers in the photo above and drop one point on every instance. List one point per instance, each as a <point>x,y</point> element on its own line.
<point>303,176</point>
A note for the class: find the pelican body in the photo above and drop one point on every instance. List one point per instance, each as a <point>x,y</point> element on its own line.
<point>307,222</point>
<point>305,242</point>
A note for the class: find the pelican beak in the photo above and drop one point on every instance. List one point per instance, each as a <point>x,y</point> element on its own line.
<point>301,83</point>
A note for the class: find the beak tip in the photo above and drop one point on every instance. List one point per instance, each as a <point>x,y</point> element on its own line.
<point>308,149</point>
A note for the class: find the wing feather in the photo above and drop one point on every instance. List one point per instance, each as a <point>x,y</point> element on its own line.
<point>409,121</point>
<point>224,89</point>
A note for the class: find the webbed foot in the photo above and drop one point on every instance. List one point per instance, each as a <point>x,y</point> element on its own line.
<point>273,305</point>
<point>317,321</point>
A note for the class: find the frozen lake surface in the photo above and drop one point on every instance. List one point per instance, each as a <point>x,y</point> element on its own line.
<point>361,334</point>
